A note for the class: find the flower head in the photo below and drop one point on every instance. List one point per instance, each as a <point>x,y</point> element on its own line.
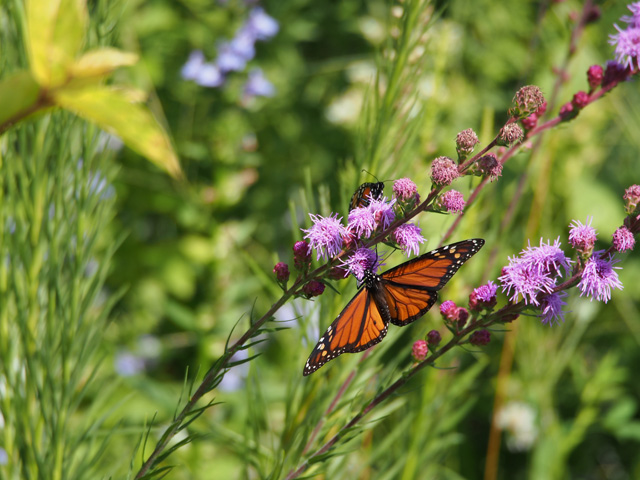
<point>419,350</point>
<point>453,201</point>
<point>582,237</point>
<point>405,190</point>
<point>258,85</point>
<point>191,69</point>
<point>209,75</point>
<point>594,76</point>
<point>530,122</point>
<point>534,272</point>
<point>627,43</point>
<point>409,237</point>
<point>230,58</point>
<point>490,166</point>
<point>382,211</point>
<point>480,338</point>
<point>527,100</point>
<point>281,270</point>
<point>362,260</point>
<point>614,74</point>
<point>261,25</point>
<point>433,338</point>
<point>325,236</point>
<point>580,99</point>
<point>599,277</point>
<point>483,297</point>
<point>301,254</point>
<point>567,111</point>
<point>444,171</point>
<point>361,222</point>
<point>510,134</point>
<point>551,308</point>
<point>623,239</point>
<point>632,198</point>
<point>466,141</point>
<point>449,310</point>
<point>634,19</point>
<point>313,288</point>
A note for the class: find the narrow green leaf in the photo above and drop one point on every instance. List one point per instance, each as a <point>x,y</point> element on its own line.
<point>133,123</point>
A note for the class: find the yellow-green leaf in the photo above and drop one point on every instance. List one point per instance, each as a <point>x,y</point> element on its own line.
<point>132,122</point>
<point>18,97</point>
<point>101,62</point>
<point>56,31</point>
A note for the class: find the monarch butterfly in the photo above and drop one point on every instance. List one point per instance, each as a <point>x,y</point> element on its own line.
<point>362,195</point>
<point>399,295</point>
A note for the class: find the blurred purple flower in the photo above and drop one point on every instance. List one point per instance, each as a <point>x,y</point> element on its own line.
<point>260,25</point>
<point>4,457</point>
<point>627,43</point>
<point>634,19</point>
<point>235,376</point>
<point>209,76</point>
<point>127,364</point>
<point>409,237</point>
<point>599,277</point>
<point>258,86</point>
<point>191,69</point>
<point>382,211</point>
<point>551,307</point>
<point>361,260</point>
<point>230,59</point>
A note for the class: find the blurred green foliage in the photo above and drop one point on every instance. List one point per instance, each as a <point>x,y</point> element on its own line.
<point>197,258</point>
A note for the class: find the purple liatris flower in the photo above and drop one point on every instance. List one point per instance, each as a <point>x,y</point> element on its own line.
<point>382,211</point>
<point>535,271</point>
<point>325,236</point>
<point>361,222</point>
<point>449,310</point>
<point>453,201</point>
<point>419,350</point>
<point>599,277</point>
<point>405,190</point>
<point>444,171</point>
<point>258,85</point>
<point>409,237</point>
<point>191,69</point>
<point>582,237</point>
<point>362,260</point>
<point>551,308</point>
<point>627,43</point>
<point>623,239</point>
<point>261,25</point>
<point>634,19</point>
<point>483,297</point>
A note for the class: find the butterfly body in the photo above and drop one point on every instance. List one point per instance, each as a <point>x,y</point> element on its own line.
<point>364,193</point>
<point>399,296</point>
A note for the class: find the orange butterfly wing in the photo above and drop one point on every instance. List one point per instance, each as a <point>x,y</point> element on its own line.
<point>361,196</point>
<point>410,288</point>
<point>360,326</point>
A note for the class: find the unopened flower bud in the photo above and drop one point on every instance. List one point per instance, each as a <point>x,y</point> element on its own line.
<point>281,270</point>
<point>480,338</point>
<point>419,350</point>
<point>594,76</point>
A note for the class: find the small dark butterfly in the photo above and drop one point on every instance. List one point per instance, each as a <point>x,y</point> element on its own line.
<point>399,296</point>
<point>364,193</point>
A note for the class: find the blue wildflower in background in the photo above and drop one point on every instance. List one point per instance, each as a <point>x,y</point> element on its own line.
<point>234,55</point>
<point>258,86</point>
